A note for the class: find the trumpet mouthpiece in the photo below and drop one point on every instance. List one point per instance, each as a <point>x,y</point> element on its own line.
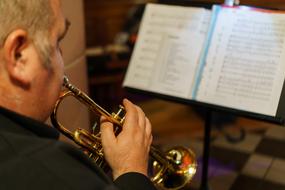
<point>65,80</point>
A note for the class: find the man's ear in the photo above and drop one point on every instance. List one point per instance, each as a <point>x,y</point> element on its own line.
<point>16,60</point>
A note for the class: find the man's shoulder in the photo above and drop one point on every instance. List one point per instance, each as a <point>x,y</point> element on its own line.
<point>44,160</point>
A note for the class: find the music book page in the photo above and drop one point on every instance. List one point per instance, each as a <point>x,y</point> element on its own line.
<point>244,68</point>
<point>168,48</point>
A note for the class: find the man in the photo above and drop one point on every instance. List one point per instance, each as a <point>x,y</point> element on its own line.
<point>31,75</point>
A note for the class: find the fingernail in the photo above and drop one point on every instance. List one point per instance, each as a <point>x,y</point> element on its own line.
<point>126,100</point>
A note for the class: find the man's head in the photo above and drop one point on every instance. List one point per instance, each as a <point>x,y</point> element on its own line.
<point>34,16</point>
<point>31,66</point>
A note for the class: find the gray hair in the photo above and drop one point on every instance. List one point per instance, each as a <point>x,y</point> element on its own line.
<point>34,16</point>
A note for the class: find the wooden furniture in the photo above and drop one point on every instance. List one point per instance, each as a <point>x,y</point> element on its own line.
<point>104,19</point>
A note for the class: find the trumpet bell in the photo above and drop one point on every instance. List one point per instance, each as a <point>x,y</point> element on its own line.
<point>179,170</point>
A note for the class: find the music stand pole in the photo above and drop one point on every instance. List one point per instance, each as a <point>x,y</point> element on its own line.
<point>206,150</point>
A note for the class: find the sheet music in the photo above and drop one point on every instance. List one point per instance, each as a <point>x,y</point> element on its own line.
<point>246,61</point>
<point>168,48</point>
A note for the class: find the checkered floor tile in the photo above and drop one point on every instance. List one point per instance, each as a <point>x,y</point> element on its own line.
<point>256,162</point>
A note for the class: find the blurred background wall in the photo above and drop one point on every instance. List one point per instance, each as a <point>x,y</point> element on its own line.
<point>73,47</point>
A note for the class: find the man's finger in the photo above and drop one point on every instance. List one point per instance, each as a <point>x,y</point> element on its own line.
<point>107,133</point>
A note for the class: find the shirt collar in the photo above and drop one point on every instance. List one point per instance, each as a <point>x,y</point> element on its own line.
<point>38,128</point>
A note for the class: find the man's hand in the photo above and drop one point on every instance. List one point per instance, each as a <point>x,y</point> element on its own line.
<point>129,151</point>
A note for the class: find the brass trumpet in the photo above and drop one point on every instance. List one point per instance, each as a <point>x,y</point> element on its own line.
<point>170,170</point>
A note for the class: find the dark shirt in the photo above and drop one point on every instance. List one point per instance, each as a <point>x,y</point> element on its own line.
<point>32,157</point>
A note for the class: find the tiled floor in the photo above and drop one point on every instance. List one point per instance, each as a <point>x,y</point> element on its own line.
<point>251,160</point>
